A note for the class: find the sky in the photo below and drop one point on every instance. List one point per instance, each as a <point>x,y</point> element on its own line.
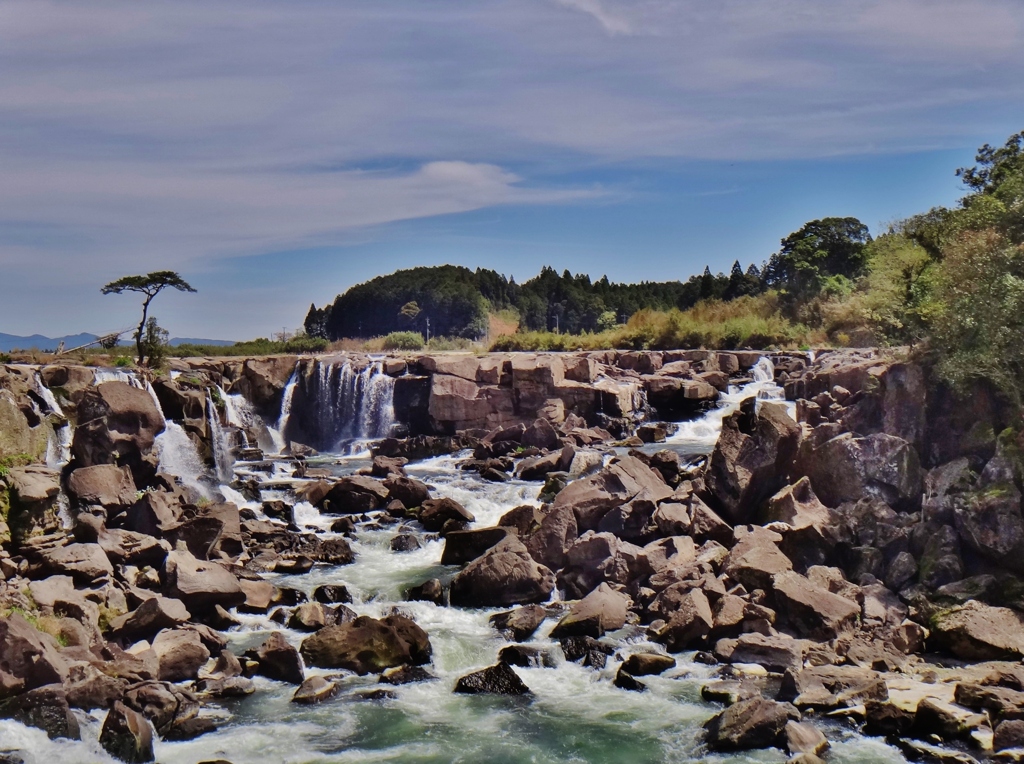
<point>276,153</point>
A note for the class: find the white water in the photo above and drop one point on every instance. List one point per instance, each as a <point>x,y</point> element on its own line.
<point>277,433</point>
<point>575,714</point>
<point>222,457</point>
<point>179,457</point>
<point>700,435</point>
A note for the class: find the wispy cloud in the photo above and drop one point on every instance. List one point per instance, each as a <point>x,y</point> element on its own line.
<point>612,23</point>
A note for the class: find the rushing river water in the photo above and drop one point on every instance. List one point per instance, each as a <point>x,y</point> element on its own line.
<point>574,714</point>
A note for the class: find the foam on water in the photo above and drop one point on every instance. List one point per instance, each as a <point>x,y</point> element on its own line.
<point>179,457</point>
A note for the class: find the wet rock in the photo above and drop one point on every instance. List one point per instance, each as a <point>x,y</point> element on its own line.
<point>45,708</point>
<point>316,689</point>
<point>461,547</point>
<point>127,736</point>
<point>366,645</point>
<point>1008,734</point>
<point>749,724</point>
<point>519,624</point>
<point>405,675</point>
<point>164,704</point>
<point>944,720</point>
<point>331,593</point>
<point>428,591</point>
<point>388,466</point>
<point>226,687</point>
<point>495,680</point>
<point>190,729</point>
<point>412,493</point>
<point>279,660</point>
<point>527,656</point>
<point>645,664</point>
<point>626,681</point>
<point>309,616</point>
<point>731,691</point>
<point>505,575</point>
<point>802,737</point>
<point>434,513</point>
<point>405,542</point>
<point>976,631</point>
<point>586,649</point>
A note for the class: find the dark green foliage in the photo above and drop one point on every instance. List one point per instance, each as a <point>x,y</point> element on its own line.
<point>403,341</point>
<point>154,344</point>
<point>150,286</point>
<point>261,346</point>
<point>316,321</point>
<point>823,250</point>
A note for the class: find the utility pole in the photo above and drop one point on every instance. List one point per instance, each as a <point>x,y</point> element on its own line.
<point>428,328</point>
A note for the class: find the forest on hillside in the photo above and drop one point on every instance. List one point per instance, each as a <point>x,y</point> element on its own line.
<point>949,280</point>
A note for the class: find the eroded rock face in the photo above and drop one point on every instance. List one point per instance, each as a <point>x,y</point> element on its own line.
<point>505,575</point>
<point>750,460</point>
<point>118,424</point>
<point>368,646</point>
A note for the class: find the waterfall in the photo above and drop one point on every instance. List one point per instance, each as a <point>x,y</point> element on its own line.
<point>342,403</point>
<point>179,457</point>
<point>58,444</point>
<point>764,370</point>
<point>129,378</point>
<point>277,433</point>
<point>219,442</point>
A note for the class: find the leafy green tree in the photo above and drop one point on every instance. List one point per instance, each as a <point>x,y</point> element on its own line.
<point>150,286</point>
<point>819,250</point>
<point>899,288</point>
<point>154,343</point>
<point>316,321</point>
<point>980,327</point>
<point>410,310</point>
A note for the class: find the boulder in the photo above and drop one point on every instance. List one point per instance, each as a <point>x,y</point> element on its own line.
<point>412,493</point>
<point>690,623</point>
<point>505,575</point>
<point>604,609</point>
<point>169,707</point>
<point>430,590</point>
<point>622,481</point>
<point>45,708</point>
<point>802,737</point>
<point>550,543</point>
<point>200,585</point>
<point>367,645</point>
<point>812,611</point>
<point>755,558</point>
<point>461,547</point>
<point>118,424</point>
<point>847,468</point>
<point>153,615</point>
<point>815,530</point>
<point>989,521</point>
<point>434,513</point>
<point>519,624</point>
<point>105,484</point>
<point>279,660</point>
<point>776,653</point>
<point>749,724</point>
<point>88,688</point>
<point>601,557</point>
<point>750,460</point>
<point>316,689</point>
<point>979,632</point>
<point>647,664</point>
<point>494,680</point>
<point>84,562</point>
<point>30,656</point>
<point>127,735</point>
<point>181,654</point>
<point>154,514</point>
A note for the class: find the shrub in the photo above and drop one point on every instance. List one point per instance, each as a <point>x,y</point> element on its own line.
<point>122,361</point>
<point>403,341</point>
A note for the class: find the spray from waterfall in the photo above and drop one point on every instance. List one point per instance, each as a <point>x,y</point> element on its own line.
<point>179,457</point>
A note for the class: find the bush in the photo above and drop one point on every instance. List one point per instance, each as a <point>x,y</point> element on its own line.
<point>261,346</point>
<point>122,361</point>
<point>403,341</point>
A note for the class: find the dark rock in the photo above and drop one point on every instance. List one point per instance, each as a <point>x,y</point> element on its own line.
<point>434,513</point>
<point>127,736</point>
<point>979,632</point>
<point>626,681</point>
<point>519,624</point>
<point>645,664</point>
<point>279,660</point>
<point>412,493</point>
<point>30,656</point>
<point>527,656</point>
<point>405,542</point>
<point>405,675</point>
<point>331,593</point>
<point>604,609</point>
<point>1008,734</point>
<point>428,591</point>
<point>461,547</point>
<point>504,575</point>
<point>749,724</point>
<point>496,680</point>
<point>316,689</point>
<point>45,708</point>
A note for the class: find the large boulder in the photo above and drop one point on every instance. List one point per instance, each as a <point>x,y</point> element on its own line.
<point>979,632</point>
<point>689,623</point>
<point>622,481</point>
<point>989,521</point>
<point>505,575</point>
<point>28,655</point>
<point>753,723</point>
<point>751,459</point>
<point>494,680</point>
<point>368,646</point>
<point>755,558</point>
<point>279,660</point>
<point>815,530</point>
<point>127,735</point>
<point>118,424</point>
<point>812,611</point>
<point>106,484</point>
<point>550,543</point>
<point>604,609</point>
<point>601,557</point>
<point>181,653</point>
<point>83,562</point>
<point>848,468</point>
<point>434,513</point>
<point>461,547</point>
<point>200,585</point>
<point>263,380</point>
<point>153,615</point>
<point>46,708</point>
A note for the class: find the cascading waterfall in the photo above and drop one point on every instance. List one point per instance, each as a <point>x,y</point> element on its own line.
<point>222,456</point>
<point>343,404</point>
<point>179,457</point>
<point>129,378</point>
<point>58,444</point>
<point>277,433</point>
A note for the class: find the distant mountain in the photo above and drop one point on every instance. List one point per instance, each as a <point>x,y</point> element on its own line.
<point>9,342</point>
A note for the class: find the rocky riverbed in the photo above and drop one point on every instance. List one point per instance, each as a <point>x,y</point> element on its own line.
<point>558,557</point>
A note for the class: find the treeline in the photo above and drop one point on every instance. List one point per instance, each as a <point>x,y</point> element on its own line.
<point>455,301</point>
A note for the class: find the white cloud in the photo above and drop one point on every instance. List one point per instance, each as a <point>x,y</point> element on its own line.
<point>612,23</point>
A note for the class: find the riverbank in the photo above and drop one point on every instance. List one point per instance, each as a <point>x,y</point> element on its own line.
<point>372,533</point>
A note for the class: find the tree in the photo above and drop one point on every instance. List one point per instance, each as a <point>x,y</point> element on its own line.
<point>316,321</point>
<point>819,250</point>
<point>149,285</point>
<point>410,310</point>
<point>154,343</point>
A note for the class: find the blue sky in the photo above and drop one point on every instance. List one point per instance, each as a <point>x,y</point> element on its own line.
<point>276,153</point>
